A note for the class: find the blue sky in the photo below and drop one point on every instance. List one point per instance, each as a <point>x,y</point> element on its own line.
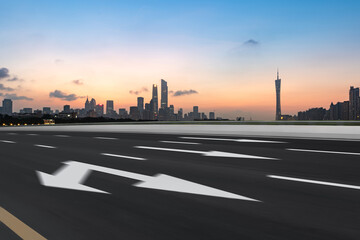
<point>194,44</point>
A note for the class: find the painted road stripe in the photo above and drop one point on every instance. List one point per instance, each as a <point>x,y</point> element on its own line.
<point>322,151</point>
<point>32,134</point>
<point>122,156</point>
<point>232,140</point>
<point>6,141</point>
<point>315,182</point>
<point>18,227</point>
<point>106,138</point>
<point>208,153</point>
<point>43,146</point>
<point>180,142</point>
<point>64,136</point>
<point>12,134</point>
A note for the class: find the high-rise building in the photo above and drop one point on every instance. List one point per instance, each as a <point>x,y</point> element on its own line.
<point>28,110</point>
<point>92,104</point>
<point>155,102</point>
<point>66,108</point>
<point>140,106</point>
<point>196,114</point>
<point>109,107</point>
<point>46,110</point>
<point>278,105</point>
<point>212,115</point>
<point>87,105</point>
<point>180,114</point>
<point>7,107</point>
<point>164,94</point>
<point>123,113</point>
<point>99,109</point>
<point>134,113</point>
<point>354,103</point>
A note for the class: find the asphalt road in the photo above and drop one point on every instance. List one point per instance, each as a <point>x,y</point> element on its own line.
<point>168,187</point>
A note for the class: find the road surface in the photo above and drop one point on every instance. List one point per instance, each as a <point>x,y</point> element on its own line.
<point>83,185</point>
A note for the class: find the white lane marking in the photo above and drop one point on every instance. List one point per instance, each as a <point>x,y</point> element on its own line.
<point>191,143</point>
<point>12,134</point>
<point>233,140</point>
<point>32,134</point>
<point>74,174</point>
<point>208,154</point>
<point>321,151</point>
<point>315,182</point>
<point>63,136</point>
<point>44,146</point>
<point>106,138</point>
<point>7,141</point>
<point>122,156</point>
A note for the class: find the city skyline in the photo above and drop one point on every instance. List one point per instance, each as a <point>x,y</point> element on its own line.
<point>227,68</point>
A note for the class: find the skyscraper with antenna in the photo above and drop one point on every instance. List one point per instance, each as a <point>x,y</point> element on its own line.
<point>278,104</point>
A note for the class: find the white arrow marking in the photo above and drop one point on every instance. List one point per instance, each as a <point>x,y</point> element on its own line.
<point>209,153</point>
<point>232,140</point>
<point>73,175</point>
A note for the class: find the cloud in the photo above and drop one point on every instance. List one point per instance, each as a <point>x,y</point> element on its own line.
<point>184,92</point>
<point>59,61</point>
<point>15,79</point>
<point>13,96</point>
<point>78,82</point>
<point>251,42</point>
<point>4,73</point>
<point>62,95</point>
<point>137,92</point>
<point>2,87</point>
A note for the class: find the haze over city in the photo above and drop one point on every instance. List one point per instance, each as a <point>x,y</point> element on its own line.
<point>218,56</point>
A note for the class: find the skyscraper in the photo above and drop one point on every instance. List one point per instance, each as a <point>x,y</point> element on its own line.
<point>353,103</point>
<point>7,107</point>
<point>140,106</point>
<point>164,94</point>
<point>140,103</point>
<point>92,104</point>
<point>99,109</point>
<point>87,105</point>
<point>155,102</point>
<point>66,108</point>
<point>109,107</point>
<point>278,105</point>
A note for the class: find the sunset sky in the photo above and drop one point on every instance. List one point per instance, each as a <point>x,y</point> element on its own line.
<point>227,51</point>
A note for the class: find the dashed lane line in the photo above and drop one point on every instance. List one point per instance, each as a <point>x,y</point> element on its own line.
<point>315,182</point>
<point>63,136</point>
<point>7,141</point>
<point>44,146</point>
<point>18,227</point>
<point>12,134</point>
<point>32,134</point>
<point>123,156</point>
<point>321,151</point>
<point>106,138</point>
<point>176,142</point>
<point>232,140</point>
